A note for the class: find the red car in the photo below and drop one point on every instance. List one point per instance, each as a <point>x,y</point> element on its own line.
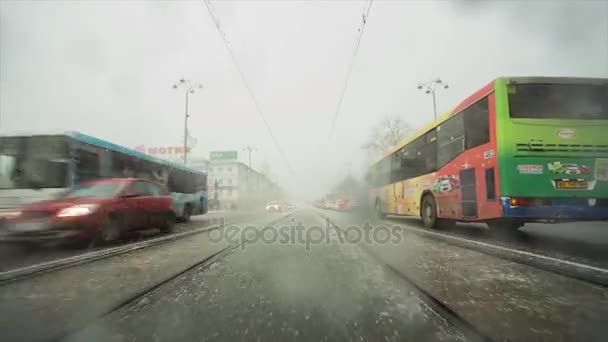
<point>98,211</point>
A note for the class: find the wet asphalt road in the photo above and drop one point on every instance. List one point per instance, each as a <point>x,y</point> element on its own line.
<point>13,256</point>
<point>273,291</point>
<point>581,242</point>
<point>335,290</point>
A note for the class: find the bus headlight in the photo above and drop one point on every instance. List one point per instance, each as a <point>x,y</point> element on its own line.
<point>78,210</point>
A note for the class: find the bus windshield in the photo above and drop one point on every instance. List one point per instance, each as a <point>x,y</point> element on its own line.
<point>559,101</point>
<point>33,162</point>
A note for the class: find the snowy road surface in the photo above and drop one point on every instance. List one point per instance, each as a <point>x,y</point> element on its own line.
<point>300,280</point>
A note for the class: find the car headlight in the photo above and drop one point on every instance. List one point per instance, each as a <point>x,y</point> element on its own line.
<point>78,210</point>
<point>10,214</point>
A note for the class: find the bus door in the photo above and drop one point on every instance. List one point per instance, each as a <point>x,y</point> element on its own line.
<point>468,193</point>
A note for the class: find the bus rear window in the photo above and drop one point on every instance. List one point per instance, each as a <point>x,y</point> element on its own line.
<point>558,101</point>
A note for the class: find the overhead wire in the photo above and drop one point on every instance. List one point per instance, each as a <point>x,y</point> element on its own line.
<point>364,18</point>
<point>251,94</point>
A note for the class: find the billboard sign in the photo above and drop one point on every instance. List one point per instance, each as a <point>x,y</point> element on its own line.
<point>161,151</point>
<point>223,155</point>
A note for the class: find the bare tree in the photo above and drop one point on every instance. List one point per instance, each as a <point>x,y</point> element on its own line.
<point>386,134</point>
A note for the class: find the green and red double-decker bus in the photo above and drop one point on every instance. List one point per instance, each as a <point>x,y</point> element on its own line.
<point>520,149</point>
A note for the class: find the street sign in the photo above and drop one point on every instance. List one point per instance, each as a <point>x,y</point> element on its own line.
<point>223,155</point>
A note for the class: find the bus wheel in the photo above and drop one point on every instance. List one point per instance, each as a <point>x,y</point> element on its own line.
<point>429,212</point>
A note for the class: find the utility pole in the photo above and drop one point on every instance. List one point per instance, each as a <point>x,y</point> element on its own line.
<point>189,87</point>
<point>430,88</point>
<point>250,149</point>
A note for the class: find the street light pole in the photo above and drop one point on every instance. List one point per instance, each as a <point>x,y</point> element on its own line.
<point>250,149</point>
<point>430,87</point>
<point>189,87</point>
<point>186,130</point>
<point>434,105</point>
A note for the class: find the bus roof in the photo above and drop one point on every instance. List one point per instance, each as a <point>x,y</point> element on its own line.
<point>485,90</point>
<point>440,118</point>
<point>114,147</point>
<point>117,148</point>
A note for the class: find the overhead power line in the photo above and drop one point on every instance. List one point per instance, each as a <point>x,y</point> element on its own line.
<point>242,75</point>
<point>364,18</point>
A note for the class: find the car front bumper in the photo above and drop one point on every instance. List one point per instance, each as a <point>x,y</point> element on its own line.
<point>46,231</point>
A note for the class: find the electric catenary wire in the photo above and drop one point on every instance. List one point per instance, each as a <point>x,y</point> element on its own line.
<point>350,68</point>
<point>242,75</point>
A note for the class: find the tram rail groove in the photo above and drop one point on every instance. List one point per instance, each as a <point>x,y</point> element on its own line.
<point>135,298</point>
<point>571,269</point>
<point>434,303</point>
<point>25,272</point>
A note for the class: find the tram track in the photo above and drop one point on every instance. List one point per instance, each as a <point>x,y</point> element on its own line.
<point>136,297</point>
<point>437,305</point>
<point>25,272</point>
<point>584,272</point>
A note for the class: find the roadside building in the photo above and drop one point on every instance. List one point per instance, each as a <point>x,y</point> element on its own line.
<point>233,183</point>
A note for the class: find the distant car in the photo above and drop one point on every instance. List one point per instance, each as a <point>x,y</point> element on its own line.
<point>98,211</point>
<point>331,204</point>
<point>347,204</point>
<point>275,207</point>
<point>342,204</point>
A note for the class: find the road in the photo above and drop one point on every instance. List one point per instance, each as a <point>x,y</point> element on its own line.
<point>302,277</point>
<point>14,256</point>
<point>584,242</point>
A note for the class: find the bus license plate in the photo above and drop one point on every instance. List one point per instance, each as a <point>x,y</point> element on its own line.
<point>571,184</point>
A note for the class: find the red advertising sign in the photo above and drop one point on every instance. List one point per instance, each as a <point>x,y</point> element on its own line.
<point>163,150</point>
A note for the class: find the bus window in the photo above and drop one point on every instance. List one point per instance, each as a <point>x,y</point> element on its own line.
<point>413,159</point>
<point>430,152</point>
<point>477,124</point>
<point>87,165</point>
<point>450,136</point>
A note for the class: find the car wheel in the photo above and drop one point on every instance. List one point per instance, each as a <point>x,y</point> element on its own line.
<point>429,212</point>
<point>110,231</point>
<point>167,226</point>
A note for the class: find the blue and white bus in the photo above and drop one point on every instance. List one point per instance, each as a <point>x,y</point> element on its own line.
<point>36,167</point>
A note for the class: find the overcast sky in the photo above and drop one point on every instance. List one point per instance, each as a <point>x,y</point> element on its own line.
<point>106,69</point>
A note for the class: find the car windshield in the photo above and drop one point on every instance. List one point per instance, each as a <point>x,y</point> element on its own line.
<point>102,190</point>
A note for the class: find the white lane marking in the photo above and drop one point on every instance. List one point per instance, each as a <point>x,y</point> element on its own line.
<point>511,250</point>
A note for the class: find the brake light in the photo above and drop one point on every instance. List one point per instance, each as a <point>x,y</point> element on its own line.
<point>519,202</point>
